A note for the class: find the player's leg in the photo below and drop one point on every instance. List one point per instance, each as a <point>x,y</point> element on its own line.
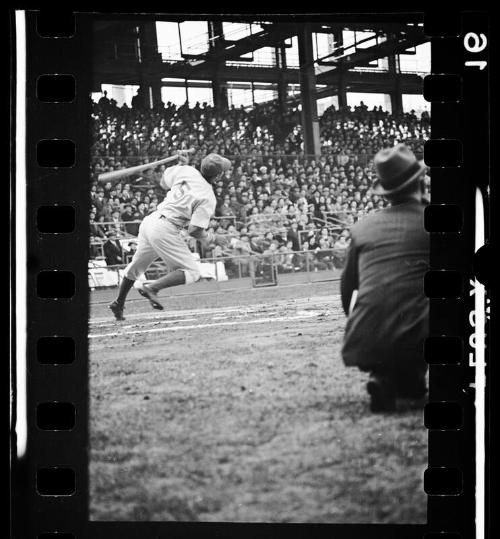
<point>142,259</point>
<point>173,250</point>
<point>177,277</point>
<point>174,278</point>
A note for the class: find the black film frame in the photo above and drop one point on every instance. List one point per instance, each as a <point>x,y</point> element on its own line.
<point>457,169</point>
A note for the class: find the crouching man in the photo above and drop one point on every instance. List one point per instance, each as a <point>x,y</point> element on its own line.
<point>382,287</point>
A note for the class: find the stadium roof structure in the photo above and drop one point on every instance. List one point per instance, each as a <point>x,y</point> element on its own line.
<point>127,53</point>
<point>117,60</point>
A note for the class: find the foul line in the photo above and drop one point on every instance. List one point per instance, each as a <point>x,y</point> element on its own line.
<point>134,325</point>
<point>201,326</point>
<point>166,314</point>
<point>254,307</point>
<point>224,290</point>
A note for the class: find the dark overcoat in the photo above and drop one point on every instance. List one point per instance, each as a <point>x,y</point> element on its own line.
<point>387,259</point>
<point>113,252</point>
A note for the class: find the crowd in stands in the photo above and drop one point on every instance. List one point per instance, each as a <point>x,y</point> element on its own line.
<point>274,201</point>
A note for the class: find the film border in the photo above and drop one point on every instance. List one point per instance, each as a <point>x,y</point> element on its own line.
<point>68,317</point>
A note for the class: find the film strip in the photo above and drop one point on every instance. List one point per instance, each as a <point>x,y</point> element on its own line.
<point>50,474</point>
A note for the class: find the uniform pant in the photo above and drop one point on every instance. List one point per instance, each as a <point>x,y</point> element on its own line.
<point>160,238</point>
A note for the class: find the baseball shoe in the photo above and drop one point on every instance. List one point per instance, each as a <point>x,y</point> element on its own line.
<point>147,292</point>
<point>117,310</point>
<point>382,399</point>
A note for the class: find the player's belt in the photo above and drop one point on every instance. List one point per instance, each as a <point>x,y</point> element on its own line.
<point>163,216</point>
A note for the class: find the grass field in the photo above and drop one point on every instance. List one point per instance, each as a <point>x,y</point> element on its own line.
<point>234,405</point>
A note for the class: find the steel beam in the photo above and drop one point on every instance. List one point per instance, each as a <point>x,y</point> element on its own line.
<point>358,81</point>
<point>360,57</point>
<point>310,121</point>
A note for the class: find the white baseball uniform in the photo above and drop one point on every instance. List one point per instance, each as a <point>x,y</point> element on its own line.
<point>190,200</point>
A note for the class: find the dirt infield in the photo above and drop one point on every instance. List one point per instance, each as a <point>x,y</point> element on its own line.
<point>235,406</point>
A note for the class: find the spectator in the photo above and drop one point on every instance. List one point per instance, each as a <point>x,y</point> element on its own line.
<point>131,249</point>
<point>127,216</point>
<point>288,258</point>
<point>292,236</point>
<point>273,186</point>
<point>340,251</point>
<point>95,247</point>
<point>101,227</point>
<point>112,249</point>
<point>104,101</point>
<point>306,258</point>
<point>116,224</point>
<point>242,250</point>
<point>95,229</point>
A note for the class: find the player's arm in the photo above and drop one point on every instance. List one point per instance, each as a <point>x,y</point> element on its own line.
<point>207,237</point>
<point>167,180</point>
<point>200,222</point>
<point>197,232</point>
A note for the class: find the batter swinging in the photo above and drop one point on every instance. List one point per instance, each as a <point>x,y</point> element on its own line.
<point>190,202</point>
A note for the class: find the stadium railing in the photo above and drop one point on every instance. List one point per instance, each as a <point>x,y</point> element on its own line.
<point>264,224</point>
<point>270,222</point>
<point>121,225</point>
<point>309,266</point>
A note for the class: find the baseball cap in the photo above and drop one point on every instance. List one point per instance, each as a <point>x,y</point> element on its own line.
<point>213,164</point>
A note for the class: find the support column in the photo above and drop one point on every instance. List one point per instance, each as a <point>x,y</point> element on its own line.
<point>219,91</point>
<point>219,88</point>
<point>341,88</point>
<point>342,91</point>
<point>149,42</point>
<point>396,94</point>
<point>155,85</point>
<point>282,85</point>
<point>310,122</point>
<point>150,88</point>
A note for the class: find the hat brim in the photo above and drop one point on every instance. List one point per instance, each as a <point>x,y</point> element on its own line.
<point>377,189</point>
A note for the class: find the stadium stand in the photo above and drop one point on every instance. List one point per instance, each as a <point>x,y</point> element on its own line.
<point>275,200</point>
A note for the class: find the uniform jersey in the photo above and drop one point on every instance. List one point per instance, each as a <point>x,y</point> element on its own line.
<point>190,199</point>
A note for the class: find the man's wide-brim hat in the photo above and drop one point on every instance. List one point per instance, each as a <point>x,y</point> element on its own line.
<point>397,168</point>
<point>213,164</point>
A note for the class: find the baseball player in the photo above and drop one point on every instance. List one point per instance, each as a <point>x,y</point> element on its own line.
<point>189,203</point>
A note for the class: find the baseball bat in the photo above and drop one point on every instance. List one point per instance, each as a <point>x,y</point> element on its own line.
<point>122,173</point>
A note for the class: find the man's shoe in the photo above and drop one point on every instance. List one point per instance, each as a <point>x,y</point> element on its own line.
<point>382,398</point>
<point>408,404</point>
<point>147,292</point>
<point>117,310</point>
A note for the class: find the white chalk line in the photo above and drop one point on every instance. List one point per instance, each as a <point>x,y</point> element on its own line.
<point>229,314</point>
<point>165,314</point>
<point>256,307</point>
<point>173,318</point>
<point>266,320</point>
<point>142,324</point>
<point>164,320</point>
